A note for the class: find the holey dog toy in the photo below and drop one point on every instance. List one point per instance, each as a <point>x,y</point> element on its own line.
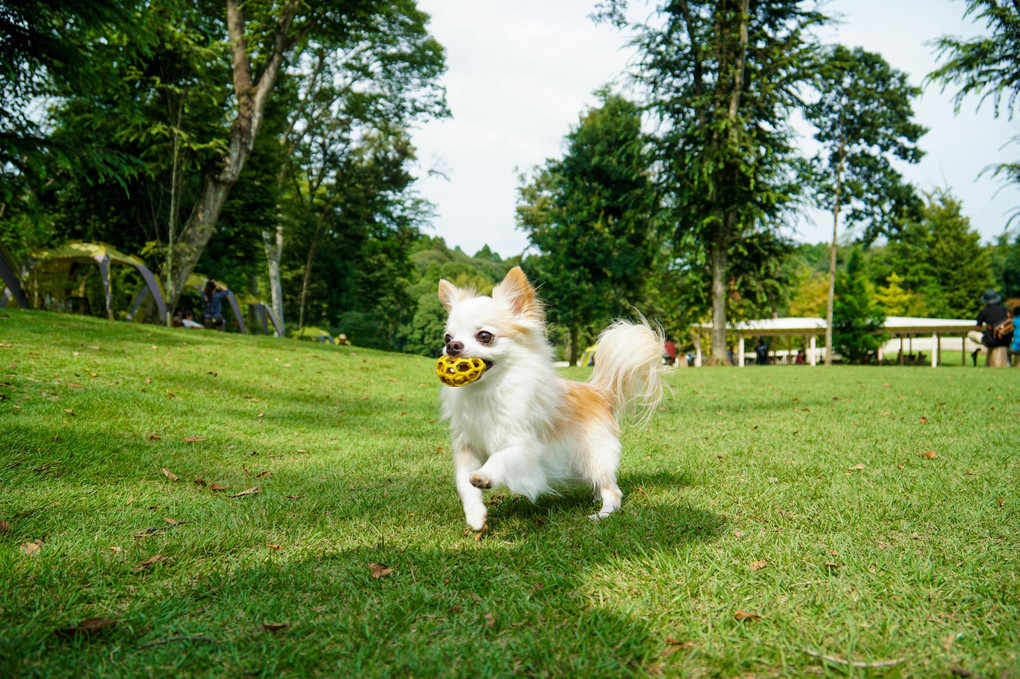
<point>456,372</point>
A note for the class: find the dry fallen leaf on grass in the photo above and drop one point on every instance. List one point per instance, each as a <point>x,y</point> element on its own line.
<point>674,645</point>
<point>490,619</point>
<point>858,466</point>
<point>172,522</point>
<point>31,548</point>
<point>745,615</point>
<point>148,562</point>
<point>154,437</point>
<point>69,411</point>
<point>379,570</point>
<point>272,546</point>
<point>4,526</point>
<point>194,439</point>
<point>86,628</point>
<point>250,491</point>
<point>216,486</point>
<point>274,626</point>
<point>930,454</point>
<point>758,565</point>
<point>169,474</point>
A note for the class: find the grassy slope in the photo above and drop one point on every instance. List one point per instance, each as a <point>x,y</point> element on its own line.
<point>739,467</point>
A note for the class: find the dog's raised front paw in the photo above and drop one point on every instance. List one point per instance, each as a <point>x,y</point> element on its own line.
<point>479,480</point>
<point>600,515</point>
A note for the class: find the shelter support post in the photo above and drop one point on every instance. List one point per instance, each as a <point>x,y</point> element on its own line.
<point>935,350</point>
<point>10,279</point>
<point>740,350</point>
<point>104,270</point>
<point>813,349</point>
<point>696,337</point>
<point>237,312</point>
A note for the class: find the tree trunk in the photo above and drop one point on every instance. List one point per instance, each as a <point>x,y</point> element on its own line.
<point>196,235</point>
<point>574,342</point>
<point>728,230</point>
<point>251,103</point>
<point>274,253</point>
<point>830,301</point>
<point>718,264</point>
<point>316,237</point>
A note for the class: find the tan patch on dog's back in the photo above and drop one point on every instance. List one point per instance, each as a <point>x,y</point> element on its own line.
<point>586,404</point>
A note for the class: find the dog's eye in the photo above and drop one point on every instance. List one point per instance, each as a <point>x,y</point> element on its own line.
<point>447,339</point>
<point>484,337</point>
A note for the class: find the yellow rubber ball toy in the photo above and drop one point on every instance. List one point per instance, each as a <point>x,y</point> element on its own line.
<point>456,372</point>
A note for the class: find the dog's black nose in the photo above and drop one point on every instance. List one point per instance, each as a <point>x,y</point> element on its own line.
<point>454,348</point>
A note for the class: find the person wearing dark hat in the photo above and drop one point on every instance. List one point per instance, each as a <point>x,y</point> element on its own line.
<point>990,316</point>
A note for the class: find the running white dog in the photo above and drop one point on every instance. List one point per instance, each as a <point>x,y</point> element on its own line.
<point>519,425</point>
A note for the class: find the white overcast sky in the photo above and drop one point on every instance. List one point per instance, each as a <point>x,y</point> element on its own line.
<point>520,72</point>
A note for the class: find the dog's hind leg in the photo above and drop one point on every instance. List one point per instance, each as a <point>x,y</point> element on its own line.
<point>611,498</point>
<point>601,460</point>
<point>465,464</point>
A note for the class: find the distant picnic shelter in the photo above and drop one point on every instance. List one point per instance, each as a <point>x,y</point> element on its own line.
<point>905,328</point>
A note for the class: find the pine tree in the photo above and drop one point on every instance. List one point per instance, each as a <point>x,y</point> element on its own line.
<point>857,317</point>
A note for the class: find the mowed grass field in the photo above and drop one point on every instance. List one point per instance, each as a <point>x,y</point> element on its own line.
<point>198,504</point>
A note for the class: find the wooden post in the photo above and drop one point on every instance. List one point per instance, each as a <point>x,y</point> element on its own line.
<point>740,350</point>
<point>812,349</point>
<point>935,350</point>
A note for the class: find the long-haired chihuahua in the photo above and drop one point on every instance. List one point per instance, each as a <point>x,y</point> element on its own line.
<point>519,425</point>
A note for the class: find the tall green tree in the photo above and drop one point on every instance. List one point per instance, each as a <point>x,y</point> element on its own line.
<point>1006,264</point>
<point>360,94</point>
<point>941,258</point>
<point>591,214</point>
<point>49,48</point>
<point>987,67</point>
<point>723,78</point>
<point>863,118</point>
<point>858,318</point>
<point>260,36</point>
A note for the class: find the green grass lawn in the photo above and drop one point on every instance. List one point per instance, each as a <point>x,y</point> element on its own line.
<point>771,515</point>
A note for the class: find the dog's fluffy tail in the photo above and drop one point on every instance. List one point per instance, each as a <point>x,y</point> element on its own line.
<point>628,365</point>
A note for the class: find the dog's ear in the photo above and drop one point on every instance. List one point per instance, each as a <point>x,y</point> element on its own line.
<point>518,293</point>
<point>450,294</point>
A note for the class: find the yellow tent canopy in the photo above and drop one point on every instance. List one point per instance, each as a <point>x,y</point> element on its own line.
<point>311,332</point>
<point>61,259</point>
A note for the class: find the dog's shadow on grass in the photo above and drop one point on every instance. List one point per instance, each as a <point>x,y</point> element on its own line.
<point>655,515</point>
